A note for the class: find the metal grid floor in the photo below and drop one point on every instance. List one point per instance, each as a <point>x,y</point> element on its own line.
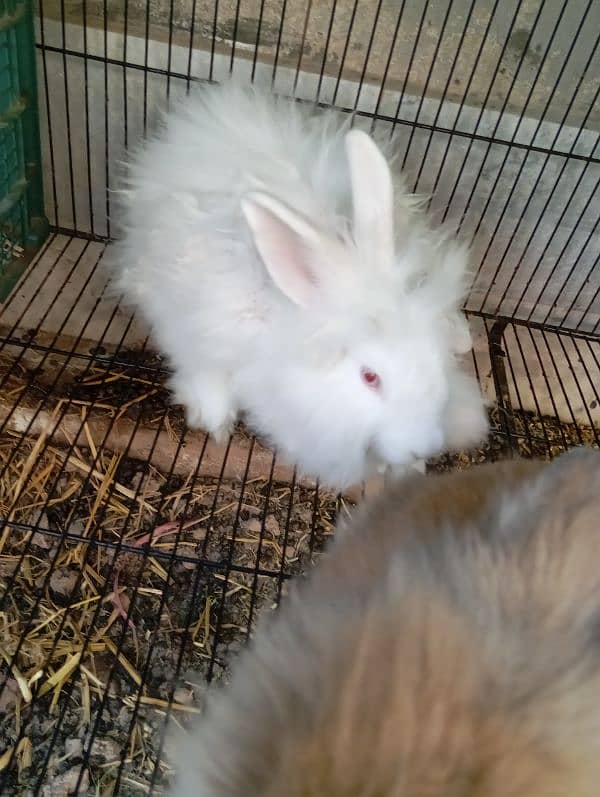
<point>134,557</point>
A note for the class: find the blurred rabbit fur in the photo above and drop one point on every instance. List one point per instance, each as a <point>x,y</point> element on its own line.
<point>291,278</point>
<point>448,645</point>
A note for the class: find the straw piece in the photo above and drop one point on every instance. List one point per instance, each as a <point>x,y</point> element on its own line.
<point>22,682</point>
<point>61,676</point>
<point>6,758</point>
<point>124,662</point>
<point>164,705</point>
<point>24,754</point>
<point>43,429</point>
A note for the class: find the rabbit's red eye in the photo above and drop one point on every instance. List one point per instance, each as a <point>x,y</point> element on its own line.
<point>370,378</point>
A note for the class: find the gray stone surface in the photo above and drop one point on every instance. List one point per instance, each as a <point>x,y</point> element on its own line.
<point>355,38</point>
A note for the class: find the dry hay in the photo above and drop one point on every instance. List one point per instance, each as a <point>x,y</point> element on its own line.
<point>61,613</point>
<point>63,618</point>
<point>97,612</point>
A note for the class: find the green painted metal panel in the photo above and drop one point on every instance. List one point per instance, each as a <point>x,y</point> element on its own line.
<point>23,226</point>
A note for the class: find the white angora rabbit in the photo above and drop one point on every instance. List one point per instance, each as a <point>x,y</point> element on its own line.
<point>289,277</point>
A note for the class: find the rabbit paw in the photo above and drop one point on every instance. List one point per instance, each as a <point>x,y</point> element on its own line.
<point>207,402</point>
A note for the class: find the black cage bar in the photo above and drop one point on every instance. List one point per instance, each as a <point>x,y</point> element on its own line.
<point>131,570</point>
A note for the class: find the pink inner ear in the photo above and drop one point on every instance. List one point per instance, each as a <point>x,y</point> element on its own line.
<point>372,197</point>
<point>286,252</point>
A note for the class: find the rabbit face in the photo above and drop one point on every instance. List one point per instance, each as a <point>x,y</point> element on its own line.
<point>400,383</point>
<point>372,362</point>
<point>377,390</point>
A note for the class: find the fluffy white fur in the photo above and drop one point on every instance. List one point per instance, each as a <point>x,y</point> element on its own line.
<point>275,256</point>
<point>447,646</point>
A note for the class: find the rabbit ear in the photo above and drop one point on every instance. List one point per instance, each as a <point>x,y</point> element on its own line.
<point>372,195</point>
<point>288,245</point>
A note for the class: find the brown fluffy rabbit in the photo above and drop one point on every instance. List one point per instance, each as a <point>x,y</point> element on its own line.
<point>448,645</point>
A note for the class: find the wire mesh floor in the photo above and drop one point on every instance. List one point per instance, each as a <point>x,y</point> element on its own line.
<point>134,556</point>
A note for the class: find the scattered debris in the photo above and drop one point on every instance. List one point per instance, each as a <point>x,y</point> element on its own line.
<point>66,784</point>
<point>63,581</point>
<point>127,579</point>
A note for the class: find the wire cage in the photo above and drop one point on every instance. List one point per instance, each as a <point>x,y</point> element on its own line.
<point>134,555</point>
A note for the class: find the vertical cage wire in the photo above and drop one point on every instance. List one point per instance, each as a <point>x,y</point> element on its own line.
<point>495,112</point>
<point>166,559</point>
